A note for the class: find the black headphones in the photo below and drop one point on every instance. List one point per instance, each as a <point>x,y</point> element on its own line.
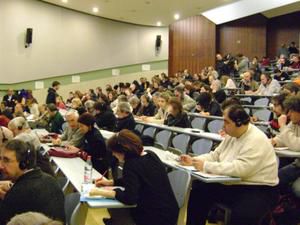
<point>242,121</point>
<point>25,162</point>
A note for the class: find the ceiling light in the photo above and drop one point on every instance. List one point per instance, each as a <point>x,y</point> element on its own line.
<point>64,1</point>
<point>95,10</point>
<point>176,16</point>
<point>158,24</point>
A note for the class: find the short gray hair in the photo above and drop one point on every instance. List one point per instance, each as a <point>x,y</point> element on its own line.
<point>89,104</point>
<point>19,123</point>
<point>124,107</point>
<point>72,112</point>
<point>134,100</point>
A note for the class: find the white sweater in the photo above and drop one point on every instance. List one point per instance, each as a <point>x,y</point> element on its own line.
<point>289,136</point>
<point>250,157</point>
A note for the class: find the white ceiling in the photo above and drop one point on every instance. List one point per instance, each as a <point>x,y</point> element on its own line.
<point>149,12</point>
<point>144,12</point>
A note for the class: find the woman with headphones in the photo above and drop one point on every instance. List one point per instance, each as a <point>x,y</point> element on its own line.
<point>146,185</point>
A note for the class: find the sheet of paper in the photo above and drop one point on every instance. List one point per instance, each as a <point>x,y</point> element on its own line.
<point>39,85</point>
<point>76,79</point>
<point>146,67</point>
<point>115,72</point>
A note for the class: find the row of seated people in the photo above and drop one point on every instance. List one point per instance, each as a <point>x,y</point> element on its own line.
<point>241,162</point>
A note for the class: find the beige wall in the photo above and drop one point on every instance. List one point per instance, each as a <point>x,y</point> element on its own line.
<point>68,42</point>
<point>41,94</point>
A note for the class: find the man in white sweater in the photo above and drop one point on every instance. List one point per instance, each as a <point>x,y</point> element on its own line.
<point>289,136</point>
<point>246,153</point>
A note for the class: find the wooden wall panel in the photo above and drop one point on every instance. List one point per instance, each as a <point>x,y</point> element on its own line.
<point>282,29</point>
<point>246,35</point>
<point>191,44</point>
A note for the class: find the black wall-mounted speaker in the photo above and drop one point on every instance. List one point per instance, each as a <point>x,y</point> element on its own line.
<point>158,41</point>
<point>29,36</point>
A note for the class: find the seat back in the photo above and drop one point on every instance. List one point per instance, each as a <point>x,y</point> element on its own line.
<point>246,99</point>
<point>180,181</point>
<point>163,138</point>
<point>215,126</point>
<point>263,114</point>
<point>202,146</point>
<point>72,201</point>
<point>139,128</point>
<point>181,142</point>
<point>262,102</point>
<point>198,123</point>
<point>63,183</point>
<point>150,131</point>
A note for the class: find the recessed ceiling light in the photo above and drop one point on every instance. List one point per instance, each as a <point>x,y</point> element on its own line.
<point>158,23</point>
<point>176,16</point>
<point>95,10</point>
<point>64,1</point>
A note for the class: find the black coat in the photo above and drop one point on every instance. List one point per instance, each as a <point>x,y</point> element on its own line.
<point>106,120</point>
<point>34,191</point>
<point>51,97</point>
<point>10,102</point>
<point>125,123</point>
<point>94,145</point>
<point>180,120</point>
<point>147,185</point>
<point>147,110</point>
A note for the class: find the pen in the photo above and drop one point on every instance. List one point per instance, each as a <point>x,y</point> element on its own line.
<point>102,176</point>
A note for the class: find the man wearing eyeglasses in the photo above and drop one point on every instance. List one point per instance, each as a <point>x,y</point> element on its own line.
<point>30,189</point>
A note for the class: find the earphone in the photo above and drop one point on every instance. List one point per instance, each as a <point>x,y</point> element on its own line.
<point>25,163</point>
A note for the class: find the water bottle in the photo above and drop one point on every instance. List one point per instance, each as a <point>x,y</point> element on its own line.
<point>88,169</point>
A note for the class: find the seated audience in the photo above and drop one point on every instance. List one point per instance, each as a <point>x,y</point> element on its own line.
<point>125,118</point>
<point>289,136</point>
<point>105,118</point>
<point>187,102</point>
<point>72,134</point>
<point>207,106</point>
<point>162,112</point>
<point>146,185</point>
<point>247,83</point>
<point>21,130</point>
<point>147,108</point>
<point>60,103</point>
<point>176,116</point>
<point>32,190</point>
<point>89,107</point>
<point>227,82</point>
<point>295,63</point>
<point>19,110</point>
<point>238,155</point>
<point>5,135</point>
<point>93,143</point>
<point>55,119</point>
<point>268,86</point>
<point>32,218</point>
<point>135,104</point>
<point>278,109</point>
<point>4,120</point>
<point>290,88</point>
<point>33,107</point>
